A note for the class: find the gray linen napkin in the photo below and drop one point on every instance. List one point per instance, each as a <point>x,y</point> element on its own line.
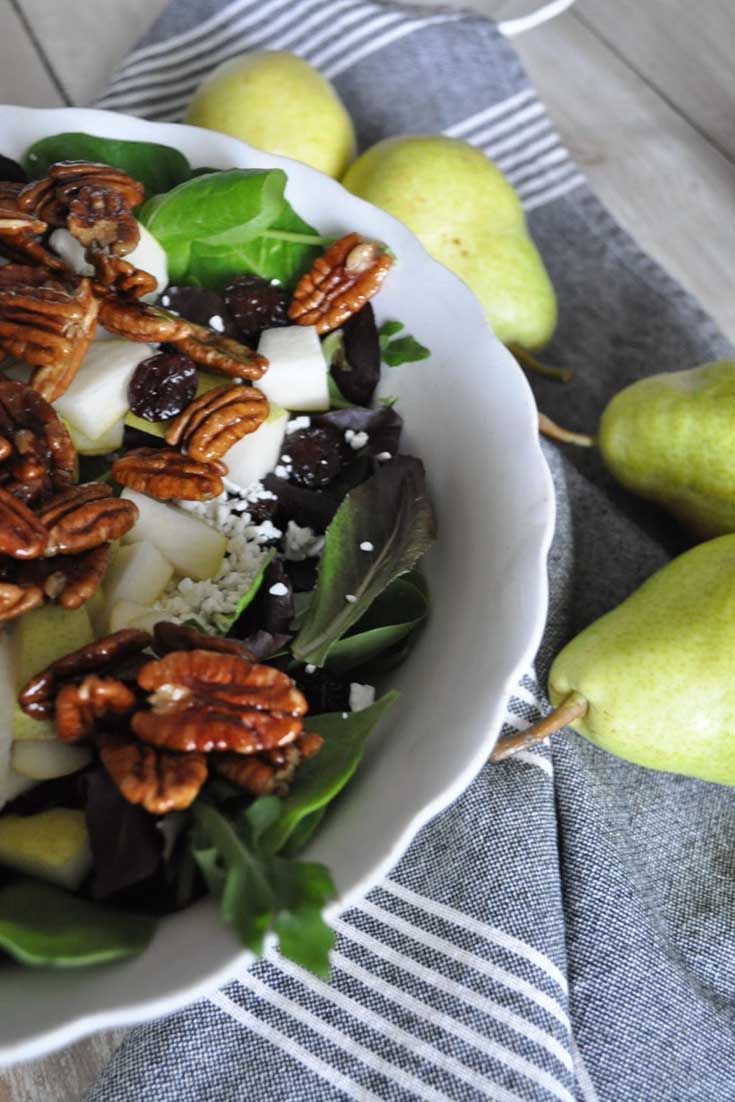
<point>565,929</point>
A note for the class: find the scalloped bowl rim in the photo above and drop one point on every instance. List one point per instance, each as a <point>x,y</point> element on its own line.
<point>103,996</point>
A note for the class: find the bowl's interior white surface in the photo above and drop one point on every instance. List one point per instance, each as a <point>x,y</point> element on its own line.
<point>469,414</point>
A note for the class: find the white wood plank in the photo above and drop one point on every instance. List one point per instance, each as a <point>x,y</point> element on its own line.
<point>86,39</point>
<point>62,1077</point>
<point>668,186</point>
<point>23,77</point>
<point>683,49</point>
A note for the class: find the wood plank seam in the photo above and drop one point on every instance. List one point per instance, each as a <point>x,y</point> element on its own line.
<point>40,51</point>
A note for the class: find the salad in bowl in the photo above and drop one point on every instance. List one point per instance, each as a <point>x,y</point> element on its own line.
<point>238,668</point>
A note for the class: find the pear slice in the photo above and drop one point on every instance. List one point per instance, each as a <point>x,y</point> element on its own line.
<point>98,394</point>
<point>41,761</point>
<point>109,441</point>
<point>297,371</point>
<point>53,845</point>
<point>138,572</point>
<point>130,614</point>
<point>254,455</point>
<point>195,549</point>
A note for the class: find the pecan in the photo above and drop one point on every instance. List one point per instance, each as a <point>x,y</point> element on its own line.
<point>79,707</point>
<point>205,701</point>
<point>271,772</point>
<point>98,216</point>
<point>16,600</point>
<point>112,272</point>
<point>168,637</point>
<point>340,283</point>
<point>36,698</point>
<point>19,238</point>
<point>139,322</point>
<point>217,419</point>
<point>49,327</point>
<point>70,580</point>
<point>165,474</point>
<point>22,535</point>
<point>220,354</point>
<point>82,517</point>
<point>157,779</point>
<point>51,197</point>
<point>41,456</point>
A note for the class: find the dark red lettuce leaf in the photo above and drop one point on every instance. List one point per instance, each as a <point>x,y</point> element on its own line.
<point>357,374</point>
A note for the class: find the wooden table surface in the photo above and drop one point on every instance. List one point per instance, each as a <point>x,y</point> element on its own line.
<point>641,92</point>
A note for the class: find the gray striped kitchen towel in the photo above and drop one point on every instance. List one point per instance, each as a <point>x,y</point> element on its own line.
<point>565,929</point>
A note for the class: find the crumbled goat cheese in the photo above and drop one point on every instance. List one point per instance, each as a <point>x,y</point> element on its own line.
<point>308,668</point>
<point>366,545</point>
<point>212,602</point>
<point>279,590</point>
<point>165,300</point>
<point>356,440</point>
<point>350,598</point>
<point>287,460</point>
<point>216,322</point>
<point>383,457</point>
<point>298,423</point>
<point>281,471</point>
<point>301,543</point>
<point>361,696</point>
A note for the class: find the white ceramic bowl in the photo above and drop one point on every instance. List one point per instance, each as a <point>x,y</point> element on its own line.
<point>470,415</point>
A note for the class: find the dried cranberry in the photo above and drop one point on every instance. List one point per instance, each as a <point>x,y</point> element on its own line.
<point>323,691</point>
<point>11,171</point>
<point>162,386</point>
<point>314,456</point>
<point>255,304</point>
<point>200,306</point>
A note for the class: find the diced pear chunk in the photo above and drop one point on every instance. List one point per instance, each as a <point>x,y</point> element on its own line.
<point>296,377</point>
<point>254,455</point>
<point>53,845</point>
<point>109,441</point>
<point>129,614</point>
<point>41,761</point>
<point>194,548</point>
<point>138,572</point>
<point>98,394</point>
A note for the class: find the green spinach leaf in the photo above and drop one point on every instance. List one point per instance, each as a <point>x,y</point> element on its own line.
<point>218,226</point>
<point>402,350</point>
<point>40,924</point>
<point>223,621</point>
<point>392,513</point>
<point>319,779</point>
<point>157,167</point>
<point>393,615</point>
<point>261,892</point>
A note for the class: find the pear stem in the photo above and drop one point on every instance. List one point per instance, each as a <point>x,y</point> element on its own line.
<point>572,707</point>
<point>549,428</point>
<point>532,363</point>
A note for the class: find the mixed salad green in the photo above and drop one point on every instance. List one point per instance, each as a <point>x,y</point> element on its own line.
<point>306,561</point>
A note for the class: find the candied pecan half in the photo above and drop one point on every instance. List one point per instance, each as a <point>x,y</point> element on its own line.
<point>41,456</point>
<point>82,517</point>
<point>122,277</point>
<point>271,772</point>
<point>217,419</point>
<point>16,600</point>
<point>340,283</point>
<point>165,474</point>
<point>36,698</point>
<point>19,238</point>
<point>51,197</point>
<point>98,216</point>
<point>220,354</point>
<point>80,706</point>
<point>70,580</point>
<point>22,535</point>
<point>168,637</point>
<point>50,327</point>
<point>140,322</point>
<point>159,780</point>
<point>205,701</point>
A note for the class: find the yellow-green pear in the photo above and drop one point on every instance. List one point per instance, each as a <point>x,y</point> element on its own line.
<point>52,844</point>
<point>652,681</point>
<point>669,438</point>
<point>467,215</point>
<point>276,101</point>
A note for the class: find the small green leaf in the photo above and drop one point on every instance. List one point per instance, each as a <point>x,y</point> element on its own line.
<point>404,350</point>
<point>303,832</point>
<point>389,401</point>
<point>223,621</point>
<point>41,924</point>
<point>387,330</point>
<point>391,511</point>
<point>157,167</point>
<point>392,616</point>
<point>336,399</point>
<point>319,779</point>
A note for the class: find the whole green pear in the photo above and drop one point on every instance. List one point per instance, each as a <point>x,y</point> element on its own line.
<point>276,101</point>
<point>652,681</point>
<point>468,217</point>
<point>671,438</point>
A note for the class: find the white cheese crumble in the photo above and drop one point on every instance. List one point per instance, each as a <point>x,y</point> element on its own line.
<point>298,423</point>
<point>217,322</point>
<point>350,598</point>
<point>366,545</point>
<point>301,543</point>
<point>356,440</point>
<point>309,668</point>
<point>361,696</point>
<point>278,590</point>
<point>281,471</point>
<point>383,457</point>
